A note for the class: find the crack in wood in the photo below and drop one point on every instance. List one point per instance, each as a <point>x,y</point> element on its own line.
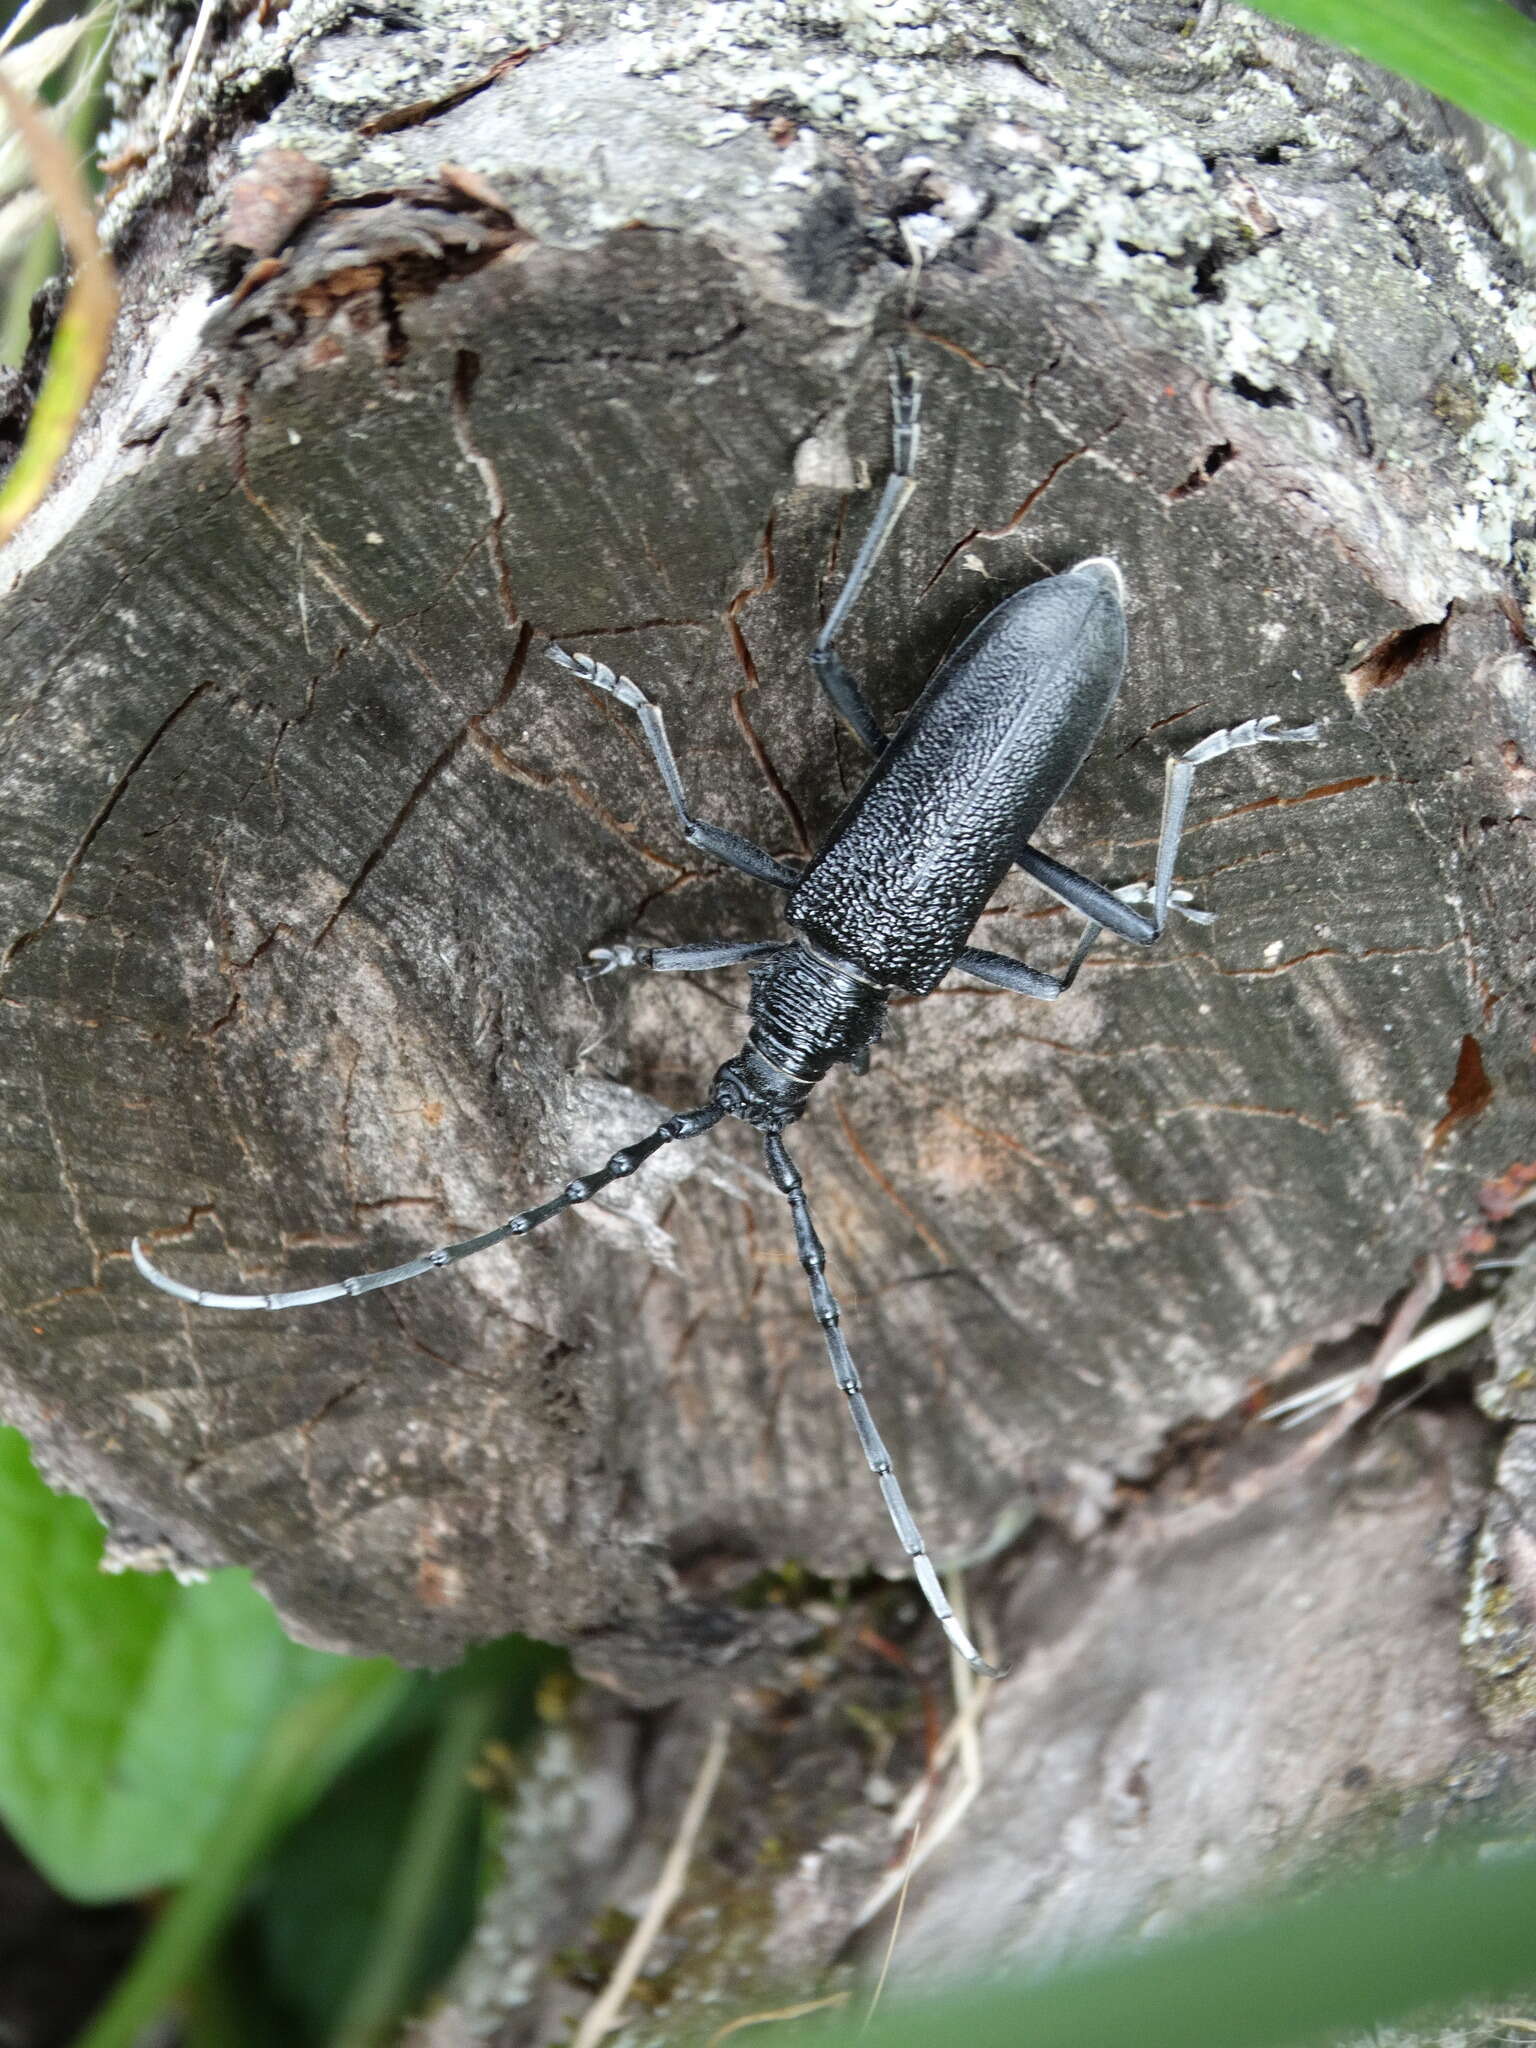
<point>234,971</point>
<point>59,656</point>
<point>429,775</point>
<point>883,1182</point>
<point>971,360</point>
<point>1079,1203</point>
<point>1022,511</point>
<point>777,786</point>
<point>417,1343</point>
<point>1386,664</point>
<point>569,786</point>
<point>1468,1096</point>
<point>104,811</point>
<point>466,372</point>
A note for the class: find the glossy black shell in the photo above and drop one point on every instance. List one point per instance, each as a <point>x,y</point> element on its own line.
<point>983,754</point>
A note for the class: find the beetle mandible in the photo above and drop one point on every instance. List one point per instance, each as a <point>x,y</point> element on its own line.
<point>887,905</point>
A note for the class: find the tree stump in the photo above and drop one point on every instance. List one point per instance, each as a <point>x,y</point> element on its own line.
<point>304,840</point>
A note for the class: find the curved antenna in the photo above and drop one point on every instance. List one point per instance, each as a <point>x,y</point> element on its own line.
<point>689,1124</point>
<point>814,1259</point>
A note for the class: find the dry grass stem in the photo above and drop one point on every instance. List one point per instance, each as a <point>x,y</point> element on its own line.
<point>204,22</point>
<point>890,1946</point>
<point>1269,1479</point>
<point>962,1740</point>
<point>1440,1337</point>
<point>784,2012</point>
<point>604,2012</point>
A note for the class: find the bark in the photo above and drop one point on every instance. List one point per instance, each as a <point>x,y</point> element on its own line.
<point>303,840</point>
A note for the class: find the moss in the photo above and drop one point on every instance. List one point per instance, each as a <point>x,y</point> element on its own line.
<point>1497,1639</point>
<point>1457,404</point>
<point>587,1965</point>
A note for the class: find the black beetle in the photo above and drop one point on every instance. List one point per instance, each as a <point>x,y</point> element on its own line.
<point>888,903</point>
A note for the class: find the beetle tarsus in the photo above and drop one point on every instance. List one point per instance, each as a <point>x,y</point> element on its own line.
<point>603,960</point>
<point>1180,776</point>
<point>1181,900</point>
<point>726,846</point>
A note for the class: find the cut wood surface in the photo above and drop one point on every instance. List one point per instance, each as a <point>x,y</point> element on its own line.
<point>303,840</point>
<point>576,326</point>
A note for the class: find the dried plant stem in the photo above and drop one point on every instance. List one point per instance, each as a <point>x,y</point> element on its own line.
<point>960,1739</point>
<point>603,2014</point>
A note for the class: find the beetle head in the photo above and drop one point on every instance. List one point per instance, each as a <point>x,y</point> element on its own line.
<point>759,1094</point>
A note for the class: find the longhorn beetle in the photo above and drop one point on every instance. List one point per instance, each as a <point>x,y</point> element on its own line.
<point>887,905</point>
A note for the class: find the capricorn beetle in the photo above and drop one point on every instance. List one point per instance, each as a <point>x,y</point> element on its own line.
<point>888,903</point>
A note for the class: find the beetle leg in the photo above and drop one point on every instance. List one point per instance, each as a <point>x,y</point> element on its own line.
<point>680,959</point>
<point>1253,732</point>
<point>1103,906</point>
<point>1002,972</point>
<point>841,686</point>
<point>730,847</point>
<point>1181,900</point>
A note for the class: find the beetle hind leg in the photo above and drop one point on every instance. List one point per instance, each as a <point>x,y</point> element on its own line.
<point>1118,909</point>
<point>1022,980</point>
<point>1180,776</point>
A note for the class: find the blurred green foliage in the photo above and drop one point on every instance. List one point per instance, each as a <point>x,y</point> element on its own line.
<point>128,1704</point>
<point>313,1812</point>
<point>1373,1952</point>
<point>1479,54</point>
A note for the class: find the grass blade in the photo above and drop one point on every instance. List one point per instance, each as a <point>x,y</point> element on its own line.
<point>382,1988</point>
<point>307,1746</point>
<point>85,326</point>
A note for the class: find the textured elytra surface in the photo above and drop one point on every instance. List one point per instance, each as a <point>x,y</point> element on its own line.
<point>304,840</point>
<point>987,750</point>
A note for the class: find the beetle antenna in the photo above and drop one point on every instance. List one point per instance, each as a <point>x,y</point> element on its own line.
<point>813,1258</point>
<point>690,1123</point>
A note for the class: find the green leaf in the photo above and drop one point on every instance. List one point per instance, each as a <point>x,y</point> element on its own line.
<point>367,1902</point>
<point>309,1742</point>
<point>1480,54</point>
<point>128,1705</point>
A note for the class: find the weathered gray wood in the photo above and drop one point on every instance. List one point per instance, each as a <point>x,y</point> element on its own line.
<point>1195,1721</point>
<point>302,841</point>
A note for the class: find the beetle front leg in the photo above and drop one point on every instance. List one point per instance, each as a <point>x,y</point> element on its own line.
<point>836,679</point>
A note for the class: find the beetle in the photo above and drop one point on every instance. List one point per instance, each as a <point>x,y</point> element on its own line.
<point>887,905</point>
